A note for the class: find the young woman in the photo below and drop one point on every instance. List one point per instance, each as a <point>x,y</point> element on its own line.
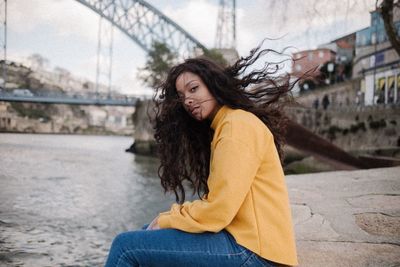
<point>221,131</point>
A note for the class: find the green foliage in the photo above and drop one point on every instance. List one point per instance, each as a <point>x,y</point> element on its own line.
<point>333,129</point>
<point>377,124</point>
<point>159,60</point>
<point>299,168</point>
<point>354,128</point>
<point>215,56</point>
<point>30,112</point>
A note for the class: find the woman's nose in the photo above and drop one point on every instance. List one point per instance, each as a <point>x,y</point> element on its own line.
<point>188,101</point>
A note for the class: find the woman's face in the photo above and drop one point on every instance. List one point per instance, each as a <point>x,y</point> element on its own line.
<point>195,96</point>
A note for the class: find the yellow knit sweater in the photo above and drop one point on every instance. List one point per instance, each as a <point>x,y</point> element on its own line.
<point>247,191</point>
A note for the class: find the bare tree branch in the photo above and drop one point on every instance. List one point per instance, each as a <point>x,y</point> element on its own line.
<point>386,10</point>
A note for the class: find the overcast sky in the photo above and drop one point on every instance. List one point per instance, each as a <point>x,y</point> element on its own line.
<point>65,31</point>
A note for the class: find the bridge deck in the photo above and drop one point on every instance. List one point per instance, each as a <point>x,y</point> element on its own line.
<point>128,102</point>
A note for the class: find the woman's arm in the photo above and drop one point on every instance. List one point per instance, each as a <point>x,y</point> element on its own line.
<point>153,225</point>
<point>234,165</point>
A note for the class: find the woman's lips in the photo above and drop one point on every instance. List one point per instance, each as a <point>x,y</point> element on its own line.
<point>194,110</point>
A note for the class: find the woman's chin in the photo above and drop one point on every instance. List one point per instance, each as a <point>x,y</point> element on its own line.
<point>197,116</point>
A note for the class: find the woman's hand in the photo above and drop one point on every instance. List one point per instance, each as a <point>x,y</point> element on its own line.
<point>153,225</point>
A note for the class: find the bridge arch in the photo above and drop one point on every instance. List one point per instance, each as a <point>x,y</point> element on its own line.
<point>145,24</point>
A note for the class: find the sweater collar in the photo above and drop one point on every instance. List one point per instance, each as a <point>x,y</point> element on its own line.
<point>219,116</point>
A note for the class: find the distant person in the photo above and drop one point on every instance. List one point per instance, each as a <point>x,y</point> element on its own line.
<point>325,102</point>
<point>226,142</point>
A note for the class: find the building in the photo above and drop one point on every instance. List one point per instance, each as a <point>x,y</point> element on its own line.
<point>307,64</point>
<point>377,63</point>
<point>344,47</point>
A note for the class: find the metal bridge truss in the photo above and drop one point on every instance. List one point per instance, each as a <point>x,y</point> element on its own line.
<point>105,42</point>
<point>226,25</point>
<point>3,42</point>
<point>145,25</point>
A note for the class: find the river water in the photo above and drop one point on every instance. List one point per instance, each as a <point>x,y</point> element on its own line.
<point>64,197</point>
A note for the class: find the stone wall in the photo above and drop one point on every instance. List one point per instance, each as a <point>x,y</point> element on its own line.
<point>344,94</point>
<point>43,118</point>
<point>353,128</point>
<point>144,142</point>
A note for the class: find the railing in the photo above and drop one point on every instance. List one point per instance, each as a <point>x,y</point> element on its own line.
<point>69,99</point>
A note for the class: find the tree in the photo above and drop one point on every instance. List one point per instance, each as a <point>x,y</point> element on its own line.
<point>159,60</point>
<point>37,61</point>
<point>216,56</point>
<point>386,11</point>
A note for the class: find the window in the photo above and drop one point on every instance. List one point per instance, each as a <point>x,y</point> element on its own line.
<point>298,67</point>
<point>310,56</point>
<point>363,40</point>
<point>380,58</point>
<point>390,94</point>
<point>373,38</point>
<point>372,61</point>
<point>398,89</point>
<point>380,91</point>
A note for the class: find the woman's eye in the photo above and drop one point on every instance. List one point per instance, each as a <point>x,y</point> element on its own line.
<point>193,89</point>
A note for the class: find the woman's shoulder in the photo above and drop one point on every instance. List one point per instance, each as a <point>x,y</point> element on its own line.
<point>241,114</point>
<point>243,127</point>
<point>244,122</point>
<point>244,118</point>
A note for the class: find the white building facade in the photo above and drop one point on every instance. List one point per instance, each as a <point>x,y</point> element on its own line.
<point>378,63</point>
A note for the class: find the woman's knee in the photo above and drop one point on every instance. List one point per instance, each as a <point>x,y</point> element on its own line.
<point>120,241</point>
<point>122,250</point>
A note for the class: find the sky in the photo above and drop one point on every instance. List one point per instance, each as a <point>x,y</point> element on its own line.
<point>65,31</point>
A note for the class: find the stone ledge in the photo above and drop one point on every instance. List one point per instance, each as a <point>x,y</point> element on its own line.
<point>347,218</point>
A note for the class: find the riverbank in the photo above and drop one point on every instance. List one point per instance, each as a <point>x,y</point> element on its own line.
<point>347,218</point>
<point>84,133</point>
<point>65,119</point>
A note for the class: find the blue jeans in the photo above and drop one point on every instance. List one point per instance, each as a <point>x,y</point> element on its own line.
<point>171,247</point>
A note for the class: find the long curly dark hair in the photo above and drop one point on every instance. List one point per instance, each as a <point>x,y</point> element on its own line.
<point>184,143</point>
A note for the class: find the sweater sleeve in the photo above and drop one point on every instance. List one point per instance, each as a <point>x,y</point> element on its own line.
<point>233,167</point>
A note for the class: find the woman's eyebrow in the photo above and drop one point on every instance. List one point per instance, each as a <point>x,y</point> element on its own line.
<point>189,82</point>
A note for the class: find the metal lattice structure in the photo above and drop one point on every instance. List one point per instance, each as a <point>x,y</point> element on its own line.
<point>226,25</point>
<point>145,25</point>
<point>3,41</point>
<point>105,40</point>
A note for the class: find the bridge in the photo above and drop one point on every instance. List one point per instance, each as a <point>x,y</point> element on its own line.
<point>100,100</point>
<point>142,23</point>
